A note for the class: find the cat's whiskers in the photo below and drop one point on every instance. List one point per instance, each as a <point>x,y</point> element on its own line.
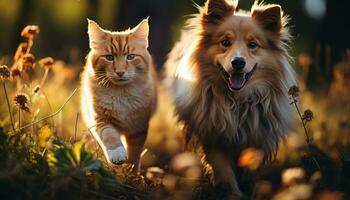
<point>102,79</point>
<point>104,82</point>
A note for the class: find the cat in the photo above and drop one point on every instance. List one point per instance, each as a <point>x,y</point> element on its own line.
<point>119,92</point>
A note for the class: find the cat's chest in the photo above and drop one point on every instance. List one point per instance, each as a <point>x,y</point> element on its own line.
<point>123,106</point>
<point>120,104</point>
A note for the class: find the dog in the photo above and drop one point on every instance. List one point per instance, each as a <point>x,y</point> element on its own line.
<point>230,74</point>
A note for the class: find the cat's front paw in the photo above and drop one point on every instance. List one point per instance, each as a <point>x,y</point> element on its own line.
<point>118,155</point>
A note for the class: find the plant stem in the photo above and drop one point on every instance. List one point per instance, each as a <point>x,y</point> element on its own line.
<point>53,114</point>
<point>76,128</point>
<point>19,84</point>
<point>26,78</point>
<point>317,165</point>
<point>49,104</point>
<point>44,77</point>
<point>308,141</point>
<point>8,105</point>
<point>302,121</point>
<point>19,118</point>
<point>30,44</point>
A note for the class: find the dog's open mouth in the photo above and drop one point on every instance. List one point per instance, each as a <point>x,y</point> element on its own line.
<point>237,80</point>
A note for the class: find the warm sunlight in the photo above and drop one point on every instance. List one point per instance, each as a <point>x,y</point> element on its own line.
<point>176,99</point>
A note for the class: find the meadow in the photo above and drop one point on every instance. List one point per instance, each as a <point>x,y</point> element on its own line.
<point>48,153</point>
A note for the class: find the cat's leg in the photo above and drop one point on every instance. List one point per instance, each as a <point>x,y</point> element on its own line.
<point>135,144</point>
<point>112,144</point>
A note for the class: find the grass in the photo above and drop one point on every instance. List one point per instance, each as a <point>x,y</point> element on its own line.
<point>47,153</point>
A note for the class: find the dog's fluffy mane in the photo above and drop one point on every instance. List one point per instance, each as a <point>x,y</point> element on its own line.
<point>257,117</point>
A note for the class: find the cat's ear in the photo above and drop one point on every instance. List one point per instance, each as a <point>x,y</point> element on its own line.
<point>141,31</point>
<point>96,33</point>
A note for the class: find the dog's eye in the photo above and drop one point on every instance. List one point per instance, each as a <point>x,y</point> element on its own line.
<point>109,57</point>
<point>252,45</point>
<point>130,56</point>
<point>226,43</point>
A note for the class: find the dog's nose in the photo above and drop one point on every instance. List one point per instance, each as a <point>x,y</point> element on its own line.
<point>120,74</point>
<point>238,63</point>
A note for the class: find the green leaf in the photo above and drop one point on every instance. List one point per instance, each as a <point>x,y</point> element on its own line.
<point>63,159</point>
<point>78,149</point>
<point>45,133</point>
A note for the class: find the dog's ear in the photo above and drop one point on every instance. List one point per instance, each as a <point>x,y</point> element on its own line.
<point>269,16</point>
<point>216,10</point>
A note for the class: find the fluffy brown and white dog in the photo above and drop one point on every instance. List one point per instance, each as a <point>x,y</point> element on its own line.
<point>230,74</point>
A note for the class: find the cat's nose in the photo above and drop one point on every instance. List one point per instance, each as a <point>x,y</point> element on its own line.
<point>120,74</point>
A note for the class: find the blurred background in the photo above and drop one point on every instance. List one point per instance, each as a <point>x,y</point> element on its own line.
<point>321,27</point>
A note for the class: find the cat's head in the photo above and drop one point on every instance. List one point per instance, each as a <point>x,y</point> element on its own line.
<point>119,58</point>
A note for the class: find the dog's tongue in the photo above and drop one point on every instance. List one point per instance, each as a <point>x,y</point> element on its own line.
<point>237,81</point>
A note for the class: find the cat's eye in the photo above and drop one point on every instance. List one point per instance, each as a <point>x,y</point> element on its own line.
<point>252,45</point>
<point>226,43</point>
<point>130,56</point>
<point>109,57</point>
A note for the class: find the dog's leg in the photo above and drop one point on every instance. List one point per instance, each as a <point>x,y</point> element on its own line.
<point>135,144</point>
<point>223,172</point>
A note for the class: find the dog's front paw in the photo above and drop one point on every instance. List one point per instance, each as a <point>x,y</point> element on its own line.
<point>118,155</point>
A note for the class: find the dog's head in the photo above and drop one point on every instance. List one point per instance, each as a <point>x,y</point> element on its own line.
<point>242,45</point>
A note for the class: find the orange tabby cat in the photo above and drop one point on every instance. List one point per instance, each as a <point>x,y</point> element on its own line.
<point>119,90</point>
